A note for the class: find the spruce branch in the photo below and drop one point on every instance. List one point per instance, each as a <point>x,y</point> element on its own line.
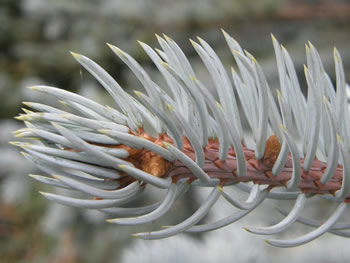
<point>187,137</point>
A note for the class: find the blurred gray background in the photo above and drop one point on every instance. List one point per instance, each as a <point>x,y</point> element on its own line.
<point>35,39</point>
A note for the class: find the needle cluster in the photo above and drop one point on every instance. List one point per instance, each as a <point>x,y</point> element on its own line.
<point>184,136</point>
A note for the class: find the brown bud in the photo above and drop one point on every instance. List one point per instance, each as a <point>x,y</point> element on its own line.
<point>272,149</point>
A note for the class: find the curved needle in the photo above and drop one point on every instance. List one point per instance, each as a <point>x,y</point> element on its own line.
<point>130,211</point>
<point>285,223</point>
<point>333,155</point>
<point>155,214</point>
<point>296,175</point>
<point>106,194</point>
<point>271,195</point>
<point>139,142</point>
<point>229,219</point>
<point>345,186</point>
<point>183,226</point>
<point>89,203</point>
<point>312,235</point>
<point>245,205</point>
<point>316,223</point>
<point>146,177</point>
